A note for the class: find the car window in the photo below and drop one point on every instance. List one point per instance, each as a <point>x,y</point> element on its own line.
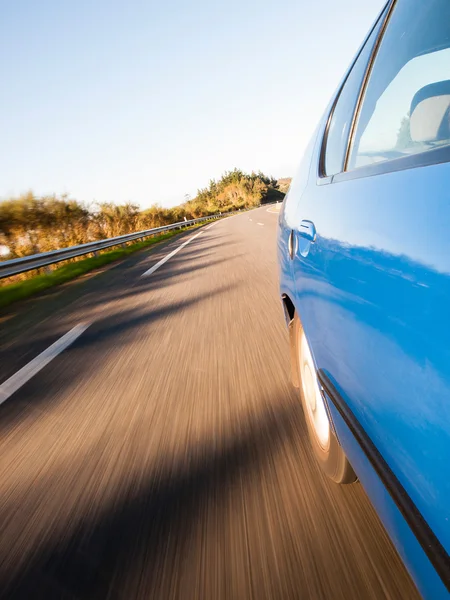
<point>406,104</point>
<point>341,120</point>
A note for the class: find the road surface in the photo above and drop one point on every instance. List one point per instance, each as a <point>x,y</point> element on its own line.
<point>162,454</point>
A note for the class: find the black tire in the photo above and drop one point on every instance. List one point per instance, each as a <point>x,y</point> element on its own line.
<point>332,459</point>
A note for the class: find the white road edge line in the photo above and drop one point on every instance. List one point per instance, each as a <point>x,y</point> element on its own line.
<point>212,225</point>
<point>218,221</point>
<point>24,374</point>
<point>166,258</point>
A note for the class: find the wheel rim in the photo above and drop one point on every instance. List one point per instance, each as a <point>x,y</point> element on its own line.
<point>315,406</point>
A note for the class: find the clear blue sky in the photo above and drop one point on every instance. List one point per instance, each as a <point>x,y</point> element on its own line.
<point>144,101</point>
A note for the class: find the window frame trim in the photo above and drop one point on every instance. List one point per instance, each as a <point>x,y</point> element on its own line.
<point>322,177</point>
<point>428,158</point>
<point>365,82</point>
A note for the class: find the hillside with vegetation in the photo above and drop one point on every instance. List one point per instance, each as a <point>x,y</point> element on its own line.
<point>284,184</point>
<point>30,224</point>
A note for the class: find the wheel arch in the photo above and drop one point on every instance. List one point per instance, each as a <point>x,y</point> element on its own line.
<point>288,307</point>
<point>289,314</point>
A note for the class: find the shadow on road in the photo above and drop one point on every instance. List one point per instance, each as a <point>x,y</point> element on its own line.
<point>153,520</point>
<point>89,351</point>
<point>26,334</point>
<point>21,316</point>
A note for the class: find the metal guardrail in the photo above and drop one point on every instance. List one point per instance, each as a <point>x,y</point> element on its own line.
<point>36,261</point>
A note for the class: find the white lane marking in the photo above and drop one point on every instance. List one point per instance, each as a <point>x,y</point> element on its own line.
<point>250,219</point>
<point>24,374</point>
<point>166,258</point>
<point>274,209</point>
<point>260,224</point>
<point>209,226</point>
<point>219,220</point>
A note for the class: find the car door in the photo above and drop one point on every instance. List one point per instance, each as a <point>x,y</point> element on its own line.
<point>372,261</point>
<point>287,241</point>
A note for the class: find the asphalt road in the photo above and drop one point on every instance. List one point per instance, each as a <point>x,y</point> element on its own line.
<point>163,454</point>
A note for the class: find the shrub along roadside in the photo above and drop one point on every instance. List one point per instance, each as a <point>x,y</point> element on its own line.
<point>29,287</point>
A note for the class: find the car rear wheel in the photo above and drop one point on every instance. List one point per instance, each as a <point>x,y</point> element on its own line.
<point>325,445</point>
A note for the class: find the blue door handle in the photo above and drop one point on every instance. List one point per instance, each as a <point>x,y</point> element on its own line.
<point>307,230</point>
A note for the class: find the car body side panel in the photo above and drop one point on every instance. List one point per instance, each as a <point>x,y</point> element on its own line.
<point>373,294</point>
<point>426,579</point>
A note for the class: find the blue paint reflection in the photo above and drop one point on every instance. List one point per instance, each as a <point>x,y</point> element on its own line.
<point>379,323</point>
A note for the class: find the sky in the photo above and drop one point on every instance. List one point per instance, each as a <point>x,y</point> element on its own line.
<point>142,101</point>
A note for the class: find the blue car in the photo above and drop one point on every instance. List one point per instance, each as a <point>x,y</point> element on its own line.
<point>364,255</point>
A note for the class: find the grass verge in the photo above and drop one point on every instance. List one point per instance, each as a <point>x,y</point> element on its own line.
<point>24,289</point>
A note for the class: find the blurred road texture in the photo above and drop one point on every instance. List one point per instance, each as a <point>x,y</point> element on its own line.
<point>163,454</point>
